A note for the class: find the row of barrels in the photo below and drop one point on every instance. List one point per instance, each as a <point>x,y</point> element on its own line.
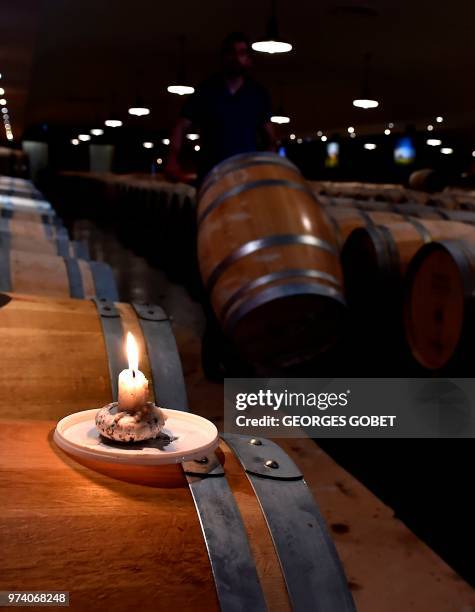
<point>225,550</point>
<point>280,266</point>
<point>269,249</point>
<point>153,216</point>
<point>452,198</point>
<point>37,255</point>
<point>383,192</point>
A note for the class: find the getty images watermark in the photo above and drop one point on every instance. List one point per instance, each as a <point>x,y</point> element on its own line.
<point>350,408</point>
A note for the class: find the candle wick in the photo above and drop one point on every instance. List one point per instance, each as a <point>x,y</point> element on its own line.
<point>133,373</point>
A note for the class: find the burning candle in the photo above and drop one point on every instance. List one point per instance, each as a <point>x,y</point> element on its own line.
<point>133,386</point>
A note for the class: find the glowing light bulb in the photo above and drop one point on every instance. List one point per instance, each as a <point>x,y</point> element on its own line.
<point>365,103</point>
<point>180,90</point>
<point>113,123</point>
<point>280,119</point>
<point>147,145</point>
<point>139,111</point>
<point>272,46</point>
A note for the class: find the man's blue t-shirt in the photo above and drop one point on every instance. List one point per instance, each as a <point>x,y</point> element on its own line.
<point>229,123</point>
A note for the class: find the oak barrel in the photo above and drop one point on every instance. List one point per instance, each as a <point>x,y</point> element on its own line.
<point>237,530</point>
<point>36,215</point>
<point>32,229</point>
<point>42,244</point>
<point>439,305</point>
<point>55,276</point>
<point>246,167</point>
<point>268,258</point>
<point>217,537</point>
<point>58,353</point>
<point>345,220</point>
<point>375,258</point>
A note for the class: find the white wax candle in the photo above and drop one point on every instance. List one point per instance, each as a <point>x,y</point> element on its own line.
<point>133,386</point>
<point>133,390</point>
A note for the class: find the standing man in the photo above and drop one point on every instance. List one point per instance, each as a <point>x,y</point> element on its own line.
<point>231,110</point>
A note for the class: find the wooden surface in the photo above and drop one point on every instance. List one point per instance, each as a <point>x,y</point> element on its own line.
<point>32,229</point>
<point>46,275</point>
<point>112,542</point>
<point>113,545</point>
<point>53,356</point>
<point>345,220</point>
<point>37,244</point>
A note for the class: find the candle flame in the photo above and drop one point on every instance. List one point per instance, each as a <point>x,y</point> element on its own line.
<point>132,352</point>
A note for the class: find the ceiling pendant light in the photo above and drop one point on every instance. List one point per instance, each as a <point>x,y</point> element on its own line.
<point>271,42</point>
<point>139,110</point>
<point>280,119</point>
<point>433,142</point>
<point>97,132</point>
<point>113,123</point>
<point>179,87</point>
<point>365,101</point>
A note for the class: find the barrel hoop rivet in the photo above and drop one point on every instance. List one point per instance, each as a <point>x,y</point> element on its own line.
<point>310,566</point>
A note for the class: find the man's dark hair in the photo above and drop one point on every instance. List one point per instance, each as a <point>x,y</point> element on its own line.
<point>233,38</point>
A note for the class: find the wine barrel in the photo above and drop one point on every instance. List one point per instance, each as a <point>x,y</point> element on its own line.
<point>55,276</point>
<point>439,306</point>
<point>23,199</point>
<point>345,220</point>
<point>30,216</point>
<point>421,212</point>
<point>242,169</point>
<point>268,258</point>
<point>32,229</point>
<point>370,205</point>
<point>375,258</point>
<point>242,529</point>
<point>41,244</point>
<point>16,181</point>
<point>57,353</point>
<point>231,534</point>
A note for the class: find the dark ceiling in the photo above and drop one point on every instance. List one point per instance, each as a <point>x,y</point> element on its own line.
<point>69,62</point>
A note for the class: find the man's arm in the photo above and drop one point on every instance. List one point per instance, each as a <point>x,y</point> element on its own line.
<point>269,133</point>
<point>173,170</point>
